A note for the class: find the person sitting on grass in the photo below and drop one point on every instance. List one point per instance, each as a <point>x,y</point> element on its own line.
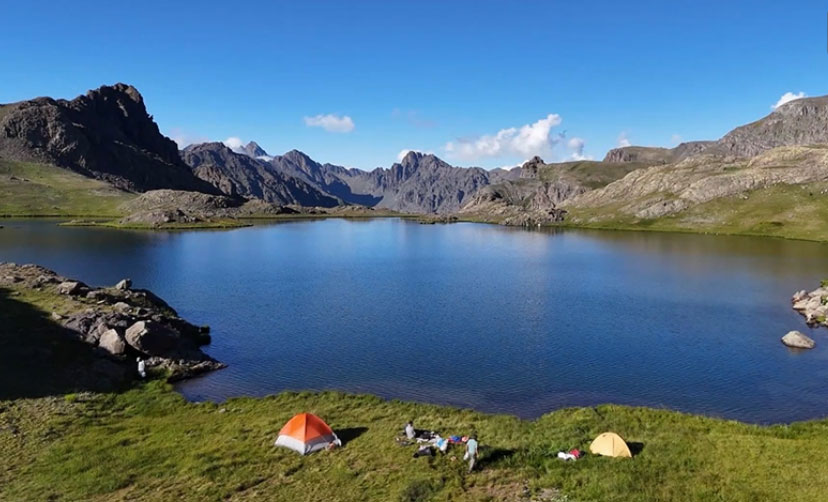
<point>471,451</point>
<point>409,430</point>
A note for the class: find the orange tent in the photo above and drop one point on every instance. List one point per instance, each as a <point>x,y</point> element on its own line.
<point>306,433</point>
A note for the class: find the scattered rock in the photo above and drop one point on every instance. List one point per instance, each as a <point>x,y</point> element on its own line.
<point>112,342</point>
<point>798,340</point>
<point>70,287</point>
<point>121,307</point>
<point>813,305</point>
<point>55,316</point>
<point>124,284</point>
<point>150,338</point>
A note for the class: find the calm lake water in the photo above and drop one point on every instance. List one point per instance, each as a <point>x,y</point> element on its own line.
<point>492,318</point>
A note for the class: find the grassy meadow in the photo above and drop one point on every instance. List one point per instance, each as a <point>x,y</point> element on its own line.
<point>30,189</point>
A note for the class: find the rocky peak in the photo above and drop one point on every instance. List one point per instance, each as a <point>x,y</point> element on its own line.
<point>254,150</point>
<point>106,134</point>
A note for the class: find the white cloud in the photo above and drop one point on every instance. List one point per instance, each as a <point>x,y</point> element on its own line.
<point>623,140</point>
<point>675,139</point>
<point>331,122</point>
<point>526,141</point>
<point>577,146</point>
<point>786,98</point>
<point>233,143</point>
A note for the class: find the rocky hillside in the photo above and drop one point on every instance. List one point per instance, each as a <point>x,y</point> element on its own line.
<point>105,134</point>
<point>799,122</point>
<point>766,178</point>
<point>251,176</point>
<point>536,195</point>
<point>669,189</point>
<point>654,155</point>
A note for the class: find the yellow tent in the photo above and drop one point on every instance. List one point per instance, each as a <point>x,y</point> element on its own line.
<point>610,444</point>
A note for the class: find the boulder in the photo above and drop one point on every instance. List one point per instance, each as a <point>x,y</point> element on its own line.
<point>124,284</point>
<point>112,342</point>
<point>150,338</point>
<point>121,307</point>
<point>799,296</point>
<point>798,340</point>
<point>70,287</point>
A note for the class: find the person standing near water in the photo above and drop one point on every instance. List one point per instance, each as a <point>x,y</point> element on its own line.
<point>142,368</point>
<point>471,451</point>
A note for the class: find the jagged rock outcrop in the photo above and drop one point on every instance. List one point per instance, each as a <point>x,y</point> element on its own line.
<point>120,324</point>
<point>105,134</point>
<point>251,176</point>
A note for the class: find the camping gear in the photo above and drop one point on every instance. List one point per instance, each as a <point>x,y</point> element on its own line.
<point>306,433</point>
<point>440,443</point>
<point>610,444</point>
<point>573,454</point>
<point>424,451</point>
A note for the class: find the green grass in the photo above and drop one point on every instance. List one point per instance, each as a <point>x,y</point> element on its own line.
<point>29,189</point>
<point>788,211</point>
<point>149,444</point>
<point>63,440</point>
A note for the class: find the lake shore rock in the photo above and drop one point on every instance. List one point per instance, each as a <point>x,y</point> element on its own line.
<point>798,340</point>
<point>813,305</point>
<point>118,323</point>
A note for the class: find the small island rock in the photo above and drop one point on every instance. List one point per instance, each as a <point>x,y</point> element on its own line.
<point>798,340</point>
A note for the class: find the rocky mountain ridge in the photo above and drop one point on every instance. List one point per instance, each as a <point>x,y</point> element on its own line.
<point>250,176</point>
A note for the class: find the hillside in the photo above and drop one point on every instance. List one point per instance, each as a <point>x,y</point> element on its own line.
<point>718,194</point>
<point>536,196</point>
<point>30,189</point>
<point>105,134</point>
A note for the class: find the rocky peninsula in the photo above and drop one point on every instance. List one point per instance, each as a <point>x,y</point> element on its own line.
<point>117,324</point>
<point>813,305</point>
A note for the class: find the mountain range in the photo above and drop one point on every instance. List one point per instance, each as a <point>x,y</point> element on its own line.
<point>108,135</point>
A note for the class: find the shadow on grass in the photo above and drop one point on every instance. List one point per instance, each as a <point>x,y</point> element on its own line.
<point>492,457</point>
<point>39,357</point>
<point>635,448</point>
<point>348,434</point>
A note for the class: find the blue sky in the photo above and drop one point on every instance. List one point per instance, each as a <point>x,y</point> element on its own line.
<point>478,83</point>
